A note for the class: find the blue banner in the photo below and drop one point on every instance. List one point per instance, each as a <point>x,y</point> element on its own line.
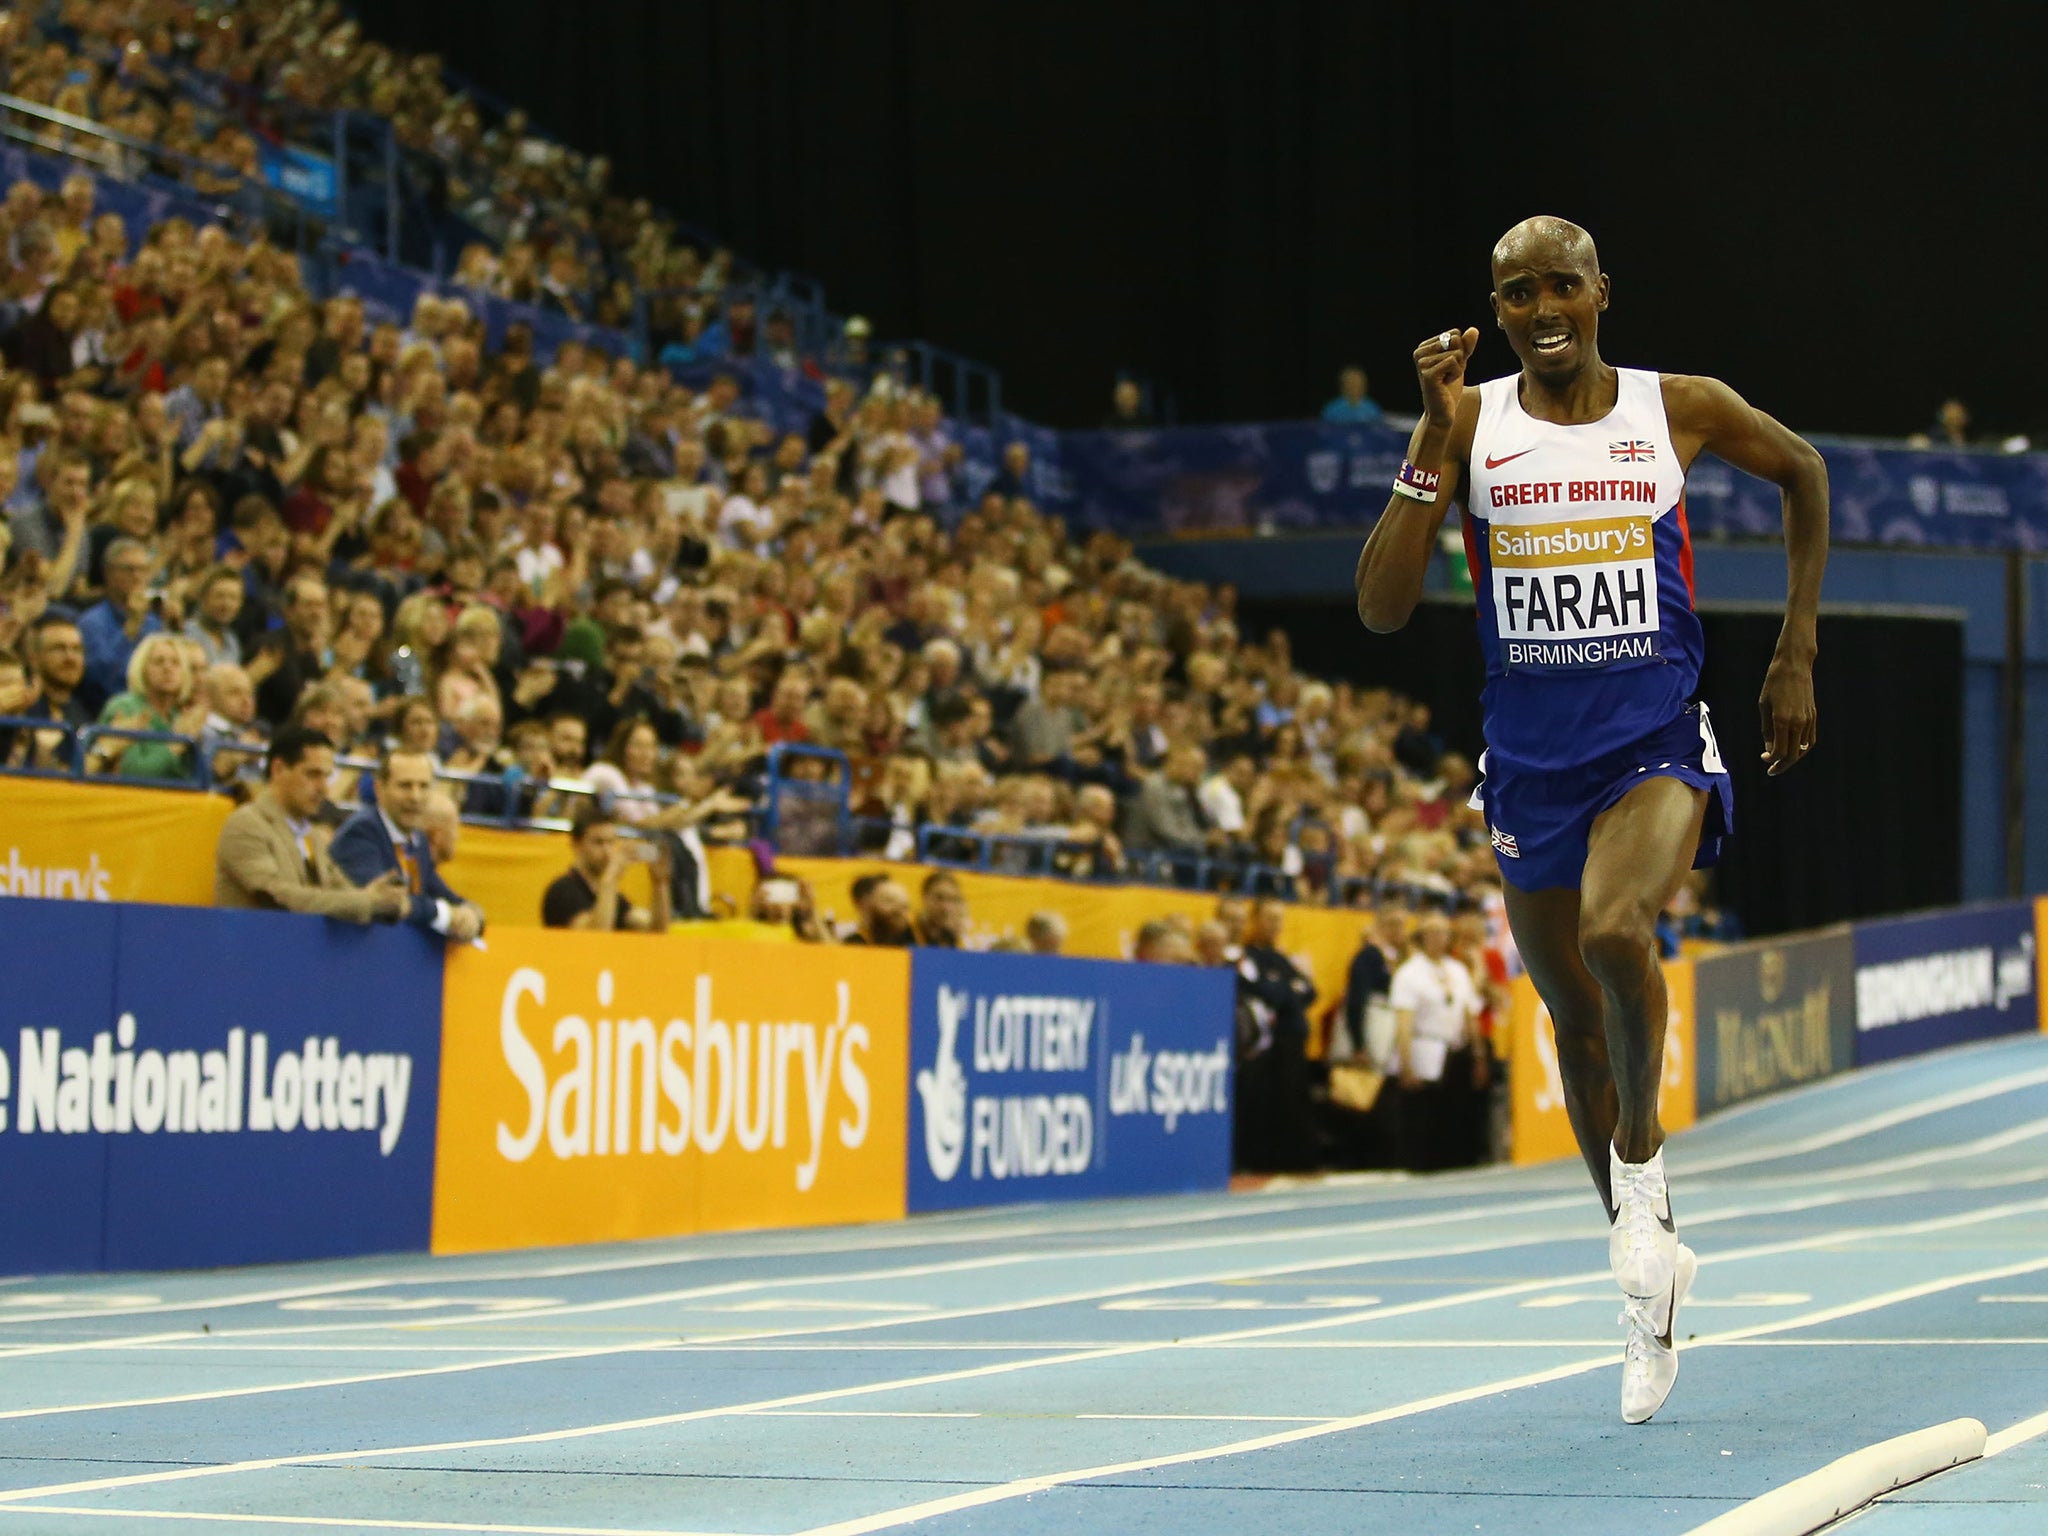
<point>1224,481</point>
<point>204,1088</point>
<point>1043,1079</point>
<point>1292,476</point>
<point>1944,978</point>
<point>301,174</point>
<point>56,989</point>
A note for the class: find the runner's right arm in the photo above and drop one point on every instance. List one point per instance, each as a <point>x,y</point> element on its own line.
<point>1396,556</point>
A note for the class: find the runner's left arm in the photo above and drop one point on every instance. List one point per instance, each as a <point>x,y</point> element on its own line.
<point>1706,415</point>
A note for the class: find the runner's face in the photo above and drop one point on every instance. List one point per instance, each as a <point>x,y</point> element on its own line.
<point>1548,297</point>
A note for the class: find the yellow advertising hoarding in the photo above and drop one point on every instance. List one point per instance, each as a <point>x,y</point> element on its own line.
<point>1542,1130</point>
<point>1102,920</point>
<point>599,1087</point>
<point>108,842</point>
<point>507,871</point>
<point>2041,957</point>
<point>117,844</point>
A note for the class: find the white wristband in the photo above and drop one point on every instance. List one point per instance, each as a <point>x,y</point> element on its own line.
<point>1403,488</point>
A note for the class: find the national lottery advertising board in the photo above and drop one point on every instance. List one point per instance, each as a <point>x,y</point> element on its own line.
<point>185,1087</point>
<point>1040,1079</point>
<point>1944,978</point>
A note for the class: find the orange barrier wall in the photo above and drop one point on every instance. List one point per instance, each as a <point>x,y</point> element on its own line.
<point>116,844</point>
<point>105,843</point>
<point>1542,1130</point>
<point>1102,920</point>
<point>618,1086</point>
<point>2041,957</point>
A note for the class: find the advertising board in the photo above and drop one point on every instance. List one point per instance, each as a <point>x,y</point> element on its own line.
<point>197,1088</point>
<point>1774,1014</point>
<point>1542,1130</point>
<point>610,1086</point>
<point>1943,978</point>
<point>1050,1079</point>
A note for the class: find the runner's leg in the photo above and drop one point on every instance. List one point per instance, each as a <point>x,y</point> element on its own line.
<point>1636,858</point>
<point>1546,929</point>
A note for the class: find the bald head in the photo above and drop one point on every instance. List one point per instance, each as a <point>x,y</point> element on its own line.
<point>1548,293</point>
<point>1545,243</point>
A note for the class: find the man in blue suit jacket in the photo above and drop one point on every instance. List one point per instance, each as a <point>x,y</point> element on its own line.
<point>386,836</point>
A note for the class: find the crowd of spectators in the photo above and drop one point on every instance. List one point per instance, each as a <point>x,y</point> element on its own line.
<point>230,506</point>
<point>265,534</point>
<point>209,87</point>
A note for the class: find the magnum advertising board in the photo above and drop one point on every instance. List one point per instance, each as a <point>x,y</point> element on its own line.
<point>1775,1013</point>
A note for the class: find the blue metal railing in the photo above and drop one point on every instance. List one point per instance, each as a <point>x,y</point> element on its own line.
<point>137,161</point>
<point>800,807</point>
<point>509,799</point>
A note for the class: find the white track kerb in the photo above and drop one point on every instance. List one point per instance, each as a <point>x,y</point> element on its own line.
<point>1844,1486</point>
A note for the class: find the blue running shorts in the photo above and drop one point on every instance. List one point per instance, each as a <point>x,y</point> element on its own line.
<point>1540,819</point>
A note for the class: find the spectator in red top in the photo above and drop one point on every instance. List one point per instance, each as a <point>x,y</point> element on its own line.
<point>419,466</point>
<point>783,720</point>
<point>310,508</point>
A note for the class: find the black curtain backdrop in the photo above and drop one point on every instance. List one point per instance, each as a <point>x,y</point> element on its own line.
<point>1870,823</point>
<point>1823,206</point>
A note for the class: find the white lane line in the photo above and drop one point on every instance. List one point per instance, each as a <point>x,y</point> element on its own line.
<point>864,1324</point>
<point>434,1270</point>
<point>863,1414</point>
<point>464,1269</point>
<point>1531,1342</point>
<point>1863,1077</point>
<point>712,1248</point>
<point>1855,1130</point>
<point>1023,1487</point>
<point>1038,1255</point>
<point>1997,1142</point>
<point>2017,1434</point>
<point>1322,1320</point>
<point>1137,1347</point>
<point>244,1299</point>
<point>1281,1237</point>
<point>1206,1418</point>
<point>258,1389</point>
<point>71,1346</point>
<point>351,1522</point>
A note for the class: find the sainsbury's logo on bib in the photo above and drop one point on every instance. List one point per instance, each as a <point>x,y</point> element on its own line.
<point>1570,543</point>
<point>1572,595</point>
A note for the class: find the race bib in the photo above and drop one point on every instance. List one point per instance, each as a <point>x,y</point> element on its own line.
<point>1574,595</point>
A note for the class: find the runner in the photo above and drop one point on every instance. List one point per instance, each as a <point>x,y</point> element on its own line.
<point>1601,781</point>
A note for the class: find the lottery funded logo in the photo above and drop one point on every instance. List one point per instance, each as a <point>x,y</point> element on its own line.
<point>943,1088</point>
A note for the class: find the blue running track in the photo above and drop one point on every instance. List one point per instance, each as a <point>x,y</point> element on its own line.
<point>1351,1355</point>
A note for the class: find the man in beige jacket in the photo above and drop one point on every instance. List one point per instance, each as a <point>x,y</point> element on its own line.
<point>272,858</point>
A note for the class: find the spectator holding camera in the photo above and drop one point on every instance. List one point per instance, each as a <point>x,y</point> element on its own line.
<point>588,896</point>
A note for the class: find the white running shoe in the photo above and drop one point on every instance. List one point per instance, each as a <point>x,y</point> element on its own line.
<point>1649,1365</point>
<point>1642,1246</point>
